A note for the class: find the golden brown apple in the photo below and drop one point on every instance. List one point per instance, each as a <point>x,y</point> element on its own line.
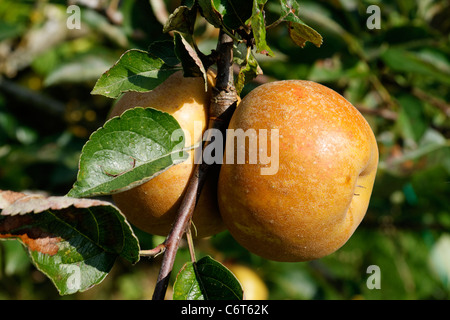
<point>252,284</point>
<point>327,162</point>
<point>152,206</point>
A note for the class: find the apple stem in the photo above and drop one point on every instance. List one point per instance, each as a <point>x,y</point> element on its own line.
<point>222,106</point>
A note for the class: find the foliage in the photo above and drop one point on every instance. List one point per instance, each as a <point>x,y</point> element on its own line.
<point>397,76</point>
<point>206,279</point>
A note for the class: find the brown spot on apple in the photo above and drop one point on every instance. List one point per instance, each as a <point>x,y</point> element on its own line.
<point>348,179</point>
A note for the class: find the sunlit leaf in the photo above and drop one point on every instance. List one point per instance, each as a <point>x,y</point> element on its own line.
<point>136,70</point>
<point>127,151</point>
<point>248,66</point>
<point>299,31</point>
<point>258,25</point>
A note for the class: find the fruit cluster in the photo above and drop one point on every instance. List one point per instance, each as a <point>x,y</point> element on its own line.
<point>307,209</point>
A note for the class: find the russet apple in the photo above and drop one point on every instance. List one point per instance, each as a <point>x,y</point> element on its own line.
<point>252,284</point>
<point>152,206</point>
<point>328,160</point>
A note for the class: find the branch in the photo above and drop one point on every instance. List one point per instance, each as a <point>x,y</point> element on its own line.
<point>440,104</point>
<point>383,113</point>
<point>222,107</point>
<point>41,101</point>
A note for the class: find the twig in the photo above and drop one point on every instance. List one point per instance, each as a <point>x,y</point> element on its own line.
<point>222,106</point>
<point>383,113</point>
<point>440,104</point>
<point>153,252</point>
<point>190,244</point>
<point>43,102</point>
<point>275,23</point>
<point>172,242</point>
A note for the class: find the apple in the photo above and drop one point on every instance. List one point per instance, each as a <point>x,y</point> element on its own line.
<point>152,206</point>
<point>252,284</point>
<point>328,159</point>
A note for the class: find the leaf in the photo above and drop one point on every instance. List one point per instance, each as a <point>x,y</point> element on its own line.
<point>15,260</point>
<point>258,25</point>
<point>9,30</point>
<point>191,62</point>
<point>136,70</point>
<point>249,67</point>
<point>164,50</point>
<point>206,279</point>
<point>412,63</point>
<point>188,3</point>
<point>432,143</point>
<point>127,151</point>
<point>440,259</point>
<point>411,120</point>
<point>226,14</point>
<point>210,13</point>
<point>299,32</point>
<point>85,68</point>
<point>235,13</point>
<point>181,20</point>
<point>101,24</point>
<point>75,242</point>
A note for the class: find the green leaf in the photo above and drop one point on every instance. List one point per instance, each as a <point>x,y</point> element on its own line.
<point>206,279</point>
<point>136,70</point>
<point>440,259</point>
<point>9,30</point>
<point>84,68</point>
<point>412,63</point>
<point>249,67</point>
<point>258,25</point>
<point>191,62</point>
<point>164,50</point>
<point>14,260</point>
<point>75,242</point>
<point>188,3</point>
<point>235,13</point>
<point>181,20</point>
<point>411,119</point>
<point>210,13</point>
<point>127,151</point>
<point>226,14</point>
<point>299,32</point>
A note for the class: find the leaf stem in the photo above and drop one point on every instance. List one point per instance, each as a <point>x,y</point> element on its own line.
<point>222,107</point>
<point>190,244</point>
<point>280,20</point>
<point>153,252</point>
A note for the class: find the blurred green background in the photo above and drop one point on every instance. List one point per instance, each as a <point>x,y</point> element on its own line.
<point>398,76</point>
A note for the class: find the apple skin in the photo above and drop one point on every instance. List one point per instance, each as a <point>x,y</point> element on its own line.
<point>328,159</point>
<point>152,206</point>
<point>253,285</point>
